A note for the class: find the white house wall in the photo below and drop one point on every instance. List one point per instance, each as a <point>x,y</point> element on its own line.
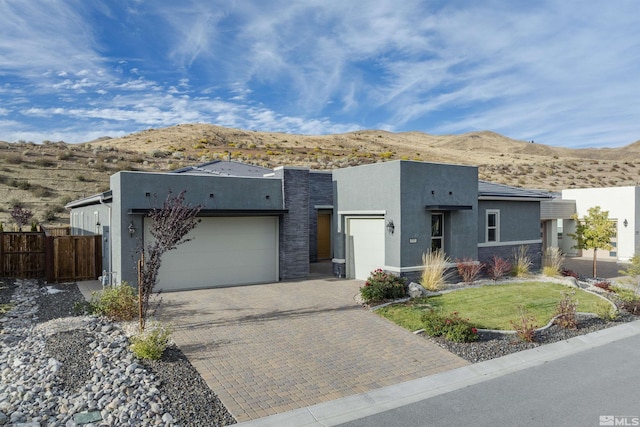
<point>622,203</point>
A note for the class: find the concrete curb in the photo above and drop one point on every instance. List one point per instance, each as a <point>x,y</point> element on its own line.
<point>362,405</point>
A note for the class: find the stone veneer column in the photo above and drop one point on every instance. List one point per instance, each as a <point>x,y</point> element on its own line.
<point>294,225</point>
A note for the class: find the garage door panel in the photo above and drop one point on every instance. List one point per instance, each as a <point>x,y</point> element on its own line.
<point>223,251</point>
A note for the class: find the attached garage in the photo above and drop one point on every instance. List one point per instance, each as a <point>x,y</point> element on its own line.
<point>366,246</point>
<point>224,251</point>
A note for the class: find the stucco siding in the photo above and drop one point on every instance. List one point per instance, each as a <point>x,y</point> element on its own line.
<point>138,190</point>
<point>519,220</point>
<point>622,203</point>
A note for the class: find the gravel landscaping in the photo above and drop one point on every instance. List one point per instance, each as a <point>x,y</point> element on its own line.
<point>59,369</point>
<point>491,345</point>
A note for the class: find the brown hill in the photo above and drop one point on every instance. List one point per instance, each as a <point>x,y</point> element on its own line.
<point>45,177</point>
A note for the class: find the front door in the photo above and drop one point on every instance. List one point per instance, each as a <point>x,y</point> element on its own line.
<point>324,236</point>
<point>437,231</point>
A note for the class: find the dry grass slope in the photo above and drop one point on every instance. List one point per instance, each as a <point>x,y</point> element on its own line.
<point>45,177</point>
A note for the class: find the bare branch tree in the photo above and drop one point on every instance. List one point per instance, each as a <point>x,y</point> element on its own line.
<point>170,225</point>
<point>21,216</point>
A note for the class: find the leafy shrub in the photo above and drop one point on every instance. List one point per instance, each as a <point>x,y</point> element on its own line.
<point>604,285</point>
<point>452,327</point>
<point>606,311</point>
<point>151,343</point>
<point>382,286</point>
<point>633,269</point>
<point>116,303</point>
<point>468,269</point>
<point>522,263</point>
<point>498,267</point>
<point>569,273</point>
<point>434,274</point>
<point>525,326</point>
<point>625,294</point>
<point>566,311</point>
<point>552,262</point>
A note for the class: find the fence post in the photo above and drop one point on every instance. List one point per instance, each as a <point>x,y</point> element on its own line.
<point>1,253</point>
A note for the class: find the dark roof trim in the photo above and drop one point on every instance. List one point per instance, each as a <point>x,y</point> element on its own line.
<point>225,212</point>
<point>449,207</point>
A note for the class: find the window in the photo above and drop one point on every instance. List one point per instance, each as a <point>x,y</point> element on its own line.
<point>493,226</point>
<point>437,232</point>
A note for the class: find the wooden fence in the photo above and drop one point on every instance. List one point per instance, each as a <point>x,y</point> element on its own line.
<point>22,255</point>
<point>55,258</point>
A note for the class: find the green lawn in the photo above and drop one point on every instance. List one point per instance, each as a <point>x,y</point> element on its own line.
<point>492,306</point>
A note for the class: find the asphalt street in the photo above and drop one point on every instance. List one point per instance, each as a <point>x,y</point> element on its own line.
<point>576,390</point>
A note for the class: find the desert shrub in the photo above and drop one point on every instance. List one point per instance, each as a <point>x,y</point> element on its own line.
<point>525,325</point>
<point>13,159</point>
<point>44,162</point>
<point>116,303</point>
<point>151,343</point>
<point>566,311</point>
<point>468,269</point>
<point>435,270</point>
<point>605,311</point>
<point>41,191</point>
<point>158,153</point>
<point>65,155</point>
<point>552,262</point>
<point>498,267</point>
<point>522,263</point>
<point>16,203</point>
<point>451,327</point>
<point>22,184</point>
<point>50,215</point>
<point>382,286</point>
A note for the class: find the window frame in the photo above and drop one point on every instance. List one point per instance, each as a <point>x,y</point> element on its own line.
<point>495,227</point>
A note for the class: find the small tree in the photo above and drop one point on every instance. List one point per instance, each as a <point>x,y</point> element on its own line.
<point>21,216</point>
<point>169,226</point>
<point>594,231</point>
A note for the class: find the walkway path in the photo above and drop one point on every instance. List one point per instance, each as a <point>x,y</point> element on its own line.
<point>273,348</point>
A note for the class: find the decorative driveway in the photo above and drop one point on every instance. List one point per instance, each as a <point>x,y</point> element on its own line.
<point>266,349</point>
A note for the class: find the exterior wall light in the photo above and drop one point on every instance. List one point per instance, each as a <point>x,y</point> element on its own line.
<point>132,229</point>
<point>625,223</point>
<point>390,227</point>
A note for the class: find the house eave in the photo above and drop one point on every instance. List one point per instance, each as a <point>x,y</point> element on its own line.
<point>223,212</point>
<point>96,199</point>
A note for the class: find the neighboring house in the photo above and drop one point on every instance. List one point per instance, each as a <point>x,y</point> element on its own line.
<point>623,205</point>
<point>260,225</point>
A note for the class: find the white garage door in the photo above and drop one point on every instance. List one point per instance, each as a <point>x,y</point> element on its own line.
<point>366,246</point>
<point>224,251</point>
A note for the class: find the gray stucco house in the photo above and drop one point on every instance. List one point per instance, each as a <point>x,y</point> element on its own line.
<point>260,225</point>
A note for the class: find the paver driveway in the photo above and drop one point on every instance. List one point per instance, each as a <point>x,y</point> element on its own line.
<point>272,348</point>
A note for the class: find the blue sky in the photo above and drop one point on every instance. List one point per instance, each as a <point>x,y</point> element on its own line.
<point>563,73</point>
